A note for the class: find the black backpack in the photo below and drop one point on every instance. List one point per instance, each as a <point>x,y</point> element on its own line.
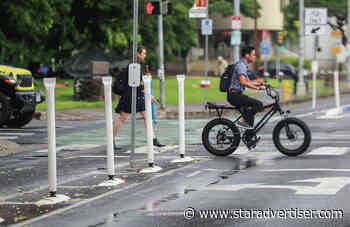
<point>120,84</point>
<point>226,77</point>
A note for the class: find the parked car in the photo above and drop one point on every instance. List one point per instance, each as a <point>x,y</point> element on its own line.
<point>288,71</point>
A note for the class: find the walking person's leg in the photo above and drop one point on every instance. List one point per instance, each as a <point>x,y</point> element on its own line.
<point>117,123</point>
<point>155,140</point>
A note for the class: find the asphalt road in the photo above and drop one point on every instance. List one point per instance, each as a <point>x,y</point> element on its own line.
<point>257,188</point>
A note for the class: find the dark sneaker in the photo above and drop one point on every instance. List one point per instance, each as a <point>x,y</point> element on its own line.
<point>157,144</point>
<point>116,148</point>
<point>243,125</point>
<point>253,142</point>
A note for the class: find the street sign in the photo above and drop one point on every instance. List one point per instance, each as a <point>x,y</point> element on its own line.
<point>198,12</point>
<point>236,38</point>
<point>236,23</point>
<point>265,48</point>
<point>336,50</point>
<point>319,29</point>
<point>316,16</point>
<point>134,75</point>
<point>207,27</point>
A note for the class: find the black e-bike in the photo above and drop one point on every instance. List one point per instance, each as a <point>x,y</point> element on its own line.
<point>222,137</point>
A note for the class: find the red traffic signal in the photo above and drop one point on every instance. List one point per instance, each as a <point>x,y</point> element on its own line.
<point>153,8</point>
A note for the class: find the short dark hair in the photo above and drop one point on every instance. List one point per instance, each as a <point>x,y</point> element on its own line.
<point>247,50</point>
<point>140,49</point>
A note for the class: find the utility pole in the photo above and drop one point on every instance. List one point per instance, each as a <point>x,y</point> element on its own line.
<point>237,14</point>
<point>348,48</point>
<point>161,61</point>
<point>256,40</point>
<point>301,89</point>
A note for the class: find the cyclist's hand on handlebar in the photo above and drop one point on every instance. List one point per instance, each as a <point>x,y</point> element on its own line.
<point>262,87</point>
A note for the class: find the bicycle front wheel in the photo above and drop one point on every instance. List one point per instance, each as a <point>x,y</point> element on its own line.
<point>221,137</point>
<point>292,136</point>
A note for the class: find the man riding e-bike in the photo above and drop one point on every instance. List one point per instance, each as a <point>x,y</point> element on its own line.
<point>247,105</point>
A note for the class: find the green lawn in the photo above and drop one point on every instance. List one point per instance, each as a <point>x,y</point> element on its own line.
<point>193,92</point>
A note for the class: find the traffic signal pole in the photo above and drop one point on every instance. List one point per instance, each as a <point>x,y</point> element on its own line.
<point>348,46</point>
<point>161,61</point>
<point>301,89</point>
<point>236,47</point>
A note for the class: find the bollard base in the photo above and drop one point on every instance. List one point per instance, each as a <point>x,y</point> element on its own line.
<point>182,159</point>
<point>152,169</point>
<point>52,200</point>
<point>111,182</point>
<point>52,194</point>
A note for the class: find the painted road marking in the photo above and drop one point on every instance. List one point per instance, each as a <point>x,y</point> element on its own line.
<point>8,137</point>
<point>73,147</point>
<point>101,156</point>
<point>18,134</point>
<point>194,174</point>
<point>1,220</point>
<point>311,169</point>
<point>144,149</point>
<point>326,186</point>
<point>329,151</point>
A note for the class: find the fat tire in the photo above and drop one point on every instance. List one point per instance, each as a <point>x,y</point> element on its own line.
<point>307,139</point>
<point>5,108</point>
<point>205,136</point>
<point>20,120</point>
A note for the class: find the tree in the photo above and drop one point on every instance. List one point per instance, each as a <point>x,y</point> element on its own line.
<point>337,9</point>
<point>38,30</point>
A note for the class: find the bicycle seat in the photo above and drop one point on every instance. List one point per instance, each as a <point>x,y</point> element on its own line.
<point>213,105</point>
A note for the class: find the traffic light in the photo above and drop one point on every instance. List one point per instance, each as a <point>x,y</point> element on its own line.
<point>280,37</point>
<point>166,7</point>
<point>153,8</point>
<point>163,7</point>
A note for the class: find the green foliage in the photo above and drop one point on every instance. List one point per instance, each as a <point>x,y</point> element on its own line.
<point>38,30</point>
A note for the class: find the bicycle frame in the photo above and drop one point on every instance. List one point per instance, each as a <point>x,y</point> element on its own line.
<point>275,107</point>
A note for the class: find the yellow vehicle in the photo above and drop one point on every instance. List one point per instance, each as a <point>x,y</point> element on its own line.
<point>18,97</point>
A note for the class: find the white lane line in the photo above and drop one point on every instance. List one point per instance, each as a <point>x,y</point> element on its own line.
<point>194,174</point>
<point>8,137</point>
<point>17,134</point>
<point>144,149</point>
<point>329,151</point>
<point>1,220</point>
<point>72,147</point>
<point>311,169</point>
<point>101,156</point>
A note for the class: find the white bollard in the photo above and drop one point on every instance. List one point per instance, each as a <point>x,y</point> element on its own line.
<point>107,83</point>
<point>112,181</point>
<point>50,84</point>
<point>337,110</point>
<point>336,90</point>
<point>314,72</point>
<point>149,126</point>
<point>181,100</point>
<point>53,198</point>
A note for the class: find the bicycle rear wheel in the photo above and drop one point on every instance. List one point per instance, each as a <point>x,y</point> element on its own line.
<point>292,136</point>
<point>221,137</point>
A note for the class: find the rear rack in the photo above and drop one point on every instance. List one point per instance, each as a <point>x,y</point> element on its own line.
<point>219,107</point>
